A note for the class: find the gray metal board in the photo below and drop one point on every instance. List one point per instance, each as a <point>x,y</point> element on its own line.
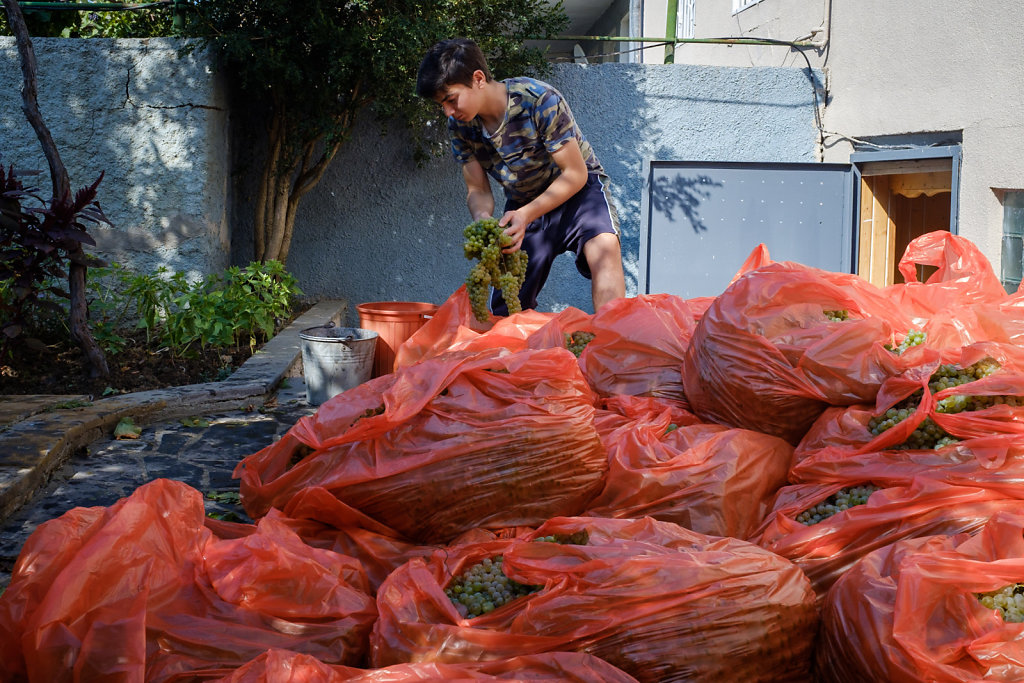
<point>702,220</point>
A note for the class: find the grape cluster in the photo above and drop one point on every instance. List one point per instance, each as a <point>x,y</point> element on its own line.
<point>928,434</point>
<point>843,499</point>
<point>483,588</point>
<point>837,316</point>
<point>1009,600</point>
<point>576,538</point>
<point>485,240</point>
<point>913,338</point>
<point>577,341</point>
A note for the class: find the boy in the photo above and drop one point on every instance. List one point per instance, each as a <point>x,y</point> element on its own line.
<point>522,133</point>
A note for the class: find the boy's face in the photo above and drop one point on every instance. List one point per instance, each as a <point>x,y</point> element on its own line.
<point>463,101</point>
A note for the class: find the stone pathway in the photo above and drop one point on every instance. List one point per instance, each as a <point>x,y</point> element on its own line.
<point>200,450</point>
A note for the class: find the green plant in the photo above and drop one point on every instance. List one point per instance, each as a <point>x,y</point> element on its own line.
<point>37,239</point>
<point>144,22</point>
<point>224,310</point>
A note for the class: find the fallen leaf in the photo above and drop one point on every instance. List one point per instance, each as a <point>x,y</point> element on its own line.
<point>127,429</point>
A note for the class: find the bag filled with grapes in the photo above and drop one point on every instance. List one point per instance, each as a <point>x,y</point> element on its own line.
<point>708,478</point>
<point>275,666</point>
<point>978,394</point>
<point>491,439</point>
<point>142,590</point>
<point>484,241</point>
<point>637,346</point>
<point>454,328</point>
<point>655,600</point>
<point>826,528</point>
<point>939,608</point>
<point>784,342</point>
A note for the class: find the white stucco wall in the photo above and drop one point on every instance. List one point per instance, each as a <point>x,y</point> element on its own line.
<point>900,68</point>
<point>154,121</point>
<point>903,68</point>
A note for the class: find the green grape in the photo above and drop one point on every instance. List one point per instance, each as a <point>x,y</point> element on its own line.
<point>577,341</point>
<point>1009,600</point>
<point>484,241</point>
<point>843,499</point>
<point>484,587</point>
<point>913,338</point>
<point>928,434</point>
<point>837,316</point>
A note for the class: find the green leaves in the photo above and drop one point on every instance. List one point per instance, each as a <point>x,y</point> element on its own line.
<point>230,309</point>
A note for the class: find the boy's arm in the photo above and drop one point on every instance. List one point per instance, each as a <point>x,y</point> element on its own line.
<point>571,180</point>
<point>478,190</point>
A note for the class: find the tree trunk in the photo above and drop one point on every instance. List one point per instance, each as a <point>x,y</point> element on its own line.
<point>79,318</point>
<point>285,181</point>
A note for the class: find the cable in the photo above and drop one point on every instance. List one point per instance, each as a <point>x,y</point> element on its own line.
<point>612,54</point>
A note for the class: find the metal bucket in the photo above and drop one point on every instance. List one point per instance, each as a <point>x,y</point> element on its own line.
<point>335,359</point>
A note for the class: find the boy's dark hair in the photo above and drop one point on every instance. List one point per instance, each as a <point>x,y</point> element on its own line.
<point>447,63</point>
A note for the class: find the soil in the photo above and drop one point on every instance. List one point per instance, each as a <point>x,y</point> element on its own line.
<point>30,366</point>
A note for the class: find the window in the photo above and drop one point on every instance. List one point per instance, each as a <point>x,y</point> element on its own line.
<point>1013,239</point>
<point>686,26</point>
<point>740,5</point>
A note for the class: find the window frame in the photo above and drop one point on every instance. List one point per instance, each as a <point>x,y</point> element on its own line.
<point>740,5</point>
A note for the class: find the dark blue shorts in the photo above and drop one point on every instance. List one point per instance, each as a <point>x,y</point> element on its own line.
<point>585,215</point>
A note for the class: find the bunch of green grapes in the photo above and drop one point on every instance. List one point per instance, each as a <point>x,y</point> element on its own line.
<point>1009,600</point>
<point>485,240</point>
<point>843,499</point>
<point>483,588</point>
<point>913,338</point>
<point>577,341</point>
<point>837,316</point>
<point>577,538</point>
<point>928,434</point>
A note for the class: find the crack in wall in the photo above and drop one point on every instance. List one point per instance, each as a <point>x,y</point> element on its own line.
<point>129,101</point>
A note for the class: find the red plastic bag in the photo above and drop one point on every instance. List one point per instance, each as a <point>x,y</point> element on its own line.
<point>454,328</point>
<point>492,439</point>
<point>923,507</point>
<point>707,478</point>
<point>639,346</point>
<point>143,591</point>
<point>655,600</point>
<point>766,355</point>
<point>910,611</point>
<point>963,277</point>
<point>845,430</point>
<point>279,666</point>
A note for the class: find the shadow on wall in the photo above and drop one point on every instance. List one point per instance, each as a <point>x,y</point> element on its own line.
<point>150,119</point>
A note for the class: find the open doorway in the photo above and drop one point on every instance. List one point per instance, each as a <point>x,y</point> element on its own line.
<point>903,195</point>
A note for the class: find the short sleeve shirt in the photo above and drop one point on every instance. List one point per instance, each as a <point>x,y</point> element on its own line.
<point>538,122</point>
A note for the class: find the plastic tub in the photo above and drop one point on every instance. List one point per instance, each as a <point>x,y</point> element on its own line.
<point>394,322</point>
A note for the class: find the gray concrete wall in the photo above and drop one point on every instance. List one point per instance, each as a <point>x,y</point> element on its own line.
<point>154,121</point>
<point>379,228</point>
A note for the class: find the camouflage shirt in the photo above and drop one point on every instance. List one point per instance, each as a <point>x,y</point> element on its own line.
<point>537,123</point>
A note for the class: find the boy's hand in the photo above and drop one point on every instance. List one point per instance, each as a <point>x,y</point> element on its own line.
<point>515,224</point>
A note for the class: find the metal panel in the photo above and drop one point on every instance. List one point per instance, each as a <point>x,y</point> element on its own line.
<point>702,220</point>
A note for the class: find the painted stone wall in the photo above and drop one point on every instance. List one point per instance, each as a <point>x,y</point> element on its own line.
<point>378,228</point>
<point>150,118</point>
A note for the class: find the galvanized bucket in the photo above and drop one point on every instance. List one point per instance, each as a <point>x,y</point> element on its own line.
<point>335,359</point>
